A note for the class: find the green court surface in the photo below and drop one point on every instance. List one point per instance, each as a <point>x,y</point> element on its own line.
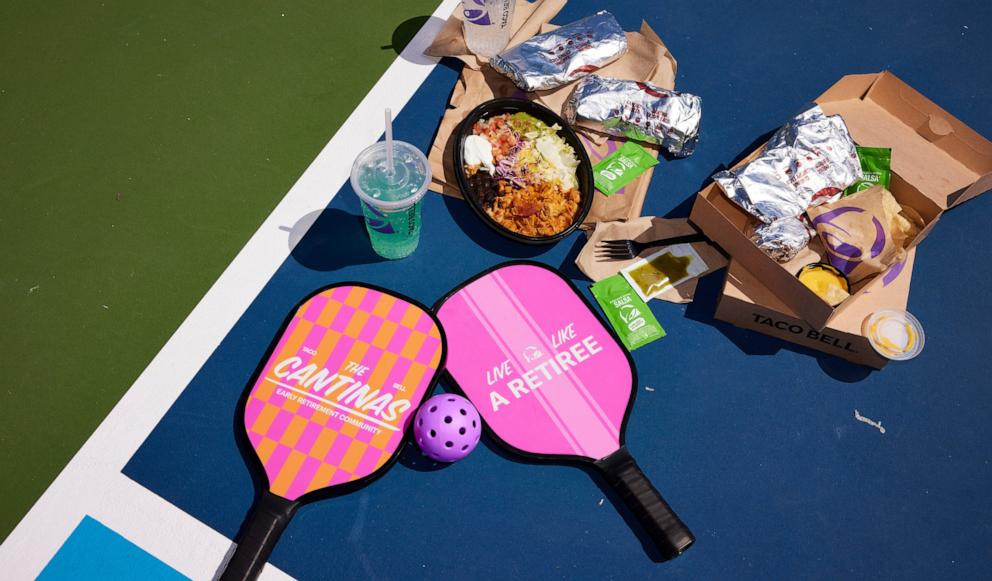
<point>142,145</point>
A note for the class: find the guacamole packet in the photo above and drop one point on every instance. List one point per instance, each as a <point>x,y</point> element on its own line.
<point>628,314</point>
<point>876,165</point>
<point>621,167</point>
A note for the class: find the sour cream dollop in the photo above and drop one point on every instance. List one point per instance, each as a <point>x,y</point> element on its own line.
<point>477,151</point>
<point>894,334</point>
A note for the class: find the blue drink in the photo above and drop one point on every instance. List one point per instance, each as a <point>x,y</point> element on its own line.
<point>391,196</point>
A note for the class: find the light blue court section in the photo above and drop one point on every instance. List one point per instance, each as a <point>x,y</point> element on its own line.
<point>93,551</point>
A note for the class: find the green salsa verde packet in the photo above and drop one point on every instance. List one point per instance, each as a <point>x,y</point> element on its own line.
<point>876,165</point>
<point>621,167</point>
<point>628,314</point>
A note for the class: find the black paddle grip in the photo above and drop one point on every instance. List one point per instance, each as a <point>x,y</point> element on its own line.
<point>667,532</point>
<point>266,521</point>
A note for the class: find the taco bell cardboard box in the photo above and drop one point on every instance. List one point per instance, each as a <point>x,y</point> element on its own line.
<point>745,302</point>
<point>937,163</point>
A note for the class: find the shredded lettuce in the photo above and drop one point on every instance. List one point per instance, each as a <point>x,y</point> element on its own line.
<point>560,157</point>
<point>540,154</point>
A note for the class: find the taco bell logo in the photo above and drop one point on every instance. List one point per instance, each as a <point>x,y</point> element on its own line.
<point>379,223</point>
<point>532,353</point>
<point>476,12</point>
<point>846,257</point>
<point>630,315</point>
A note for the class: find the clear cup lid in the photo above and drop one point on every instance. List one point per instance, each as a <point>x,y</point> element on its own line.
<point>387,190</point>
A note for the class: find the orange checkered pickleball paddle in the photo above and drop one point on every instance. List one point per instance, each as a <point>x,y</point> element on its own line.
<point>328,410</point>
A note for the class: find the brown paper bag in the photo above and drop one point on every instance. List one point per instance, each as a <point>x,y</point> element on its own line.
<point>645,229</point>
<point>647,59</point>
<point>865,232</point>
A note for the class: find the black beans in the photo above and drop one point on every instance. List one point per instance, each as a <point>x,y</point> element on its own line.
<point>484,187</point>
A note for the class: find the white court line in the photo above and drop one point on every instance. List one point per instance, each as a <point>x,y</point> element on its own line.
<point>92,482</point>
<point>173,536</point>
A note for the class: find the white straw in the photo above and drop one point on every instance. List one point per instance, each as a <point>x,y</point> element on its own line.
<point>389,141</point>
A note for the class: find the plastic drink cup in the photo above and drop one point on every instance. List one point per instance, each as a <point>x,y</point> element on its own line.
<point>487,25</point>
<point>391,195</point>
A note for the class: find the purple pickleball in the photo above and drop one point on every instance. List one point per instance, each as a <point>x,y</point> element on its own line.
<point>447,427</point>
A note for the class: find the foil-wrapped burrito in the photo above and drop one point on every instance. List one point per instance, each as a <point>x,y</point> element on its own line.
<point>563,55</point>
<point>781,239</point>
<point>640,111</point>
<point>807,162</point>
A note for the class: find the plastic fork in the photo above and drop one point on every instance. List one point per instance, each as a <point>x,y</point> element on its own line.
<point>627,249</point>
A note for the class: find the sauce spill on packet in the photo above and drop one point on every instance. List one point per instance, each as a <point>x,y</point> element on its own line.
<point>664,269</point>
<point>661,271</point>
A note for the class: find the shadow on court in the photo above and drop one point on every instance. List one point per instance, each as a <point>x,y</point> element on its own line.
<point>703,308</point>
<point>404,33</point>
<point>330,240</point>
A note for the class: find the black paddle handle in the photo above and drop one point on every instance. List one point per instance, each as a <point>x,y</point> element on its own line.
<point>266,521</point>
<point>668,533</point>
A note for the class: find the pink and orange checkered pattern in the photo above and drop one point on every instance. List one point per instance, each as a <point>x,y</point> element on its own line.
<point>305,449</point>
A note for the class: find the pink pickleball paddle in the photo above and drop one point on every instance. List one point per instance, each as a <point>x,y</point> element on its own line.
<point>328,410</point>
<point>551,381</point>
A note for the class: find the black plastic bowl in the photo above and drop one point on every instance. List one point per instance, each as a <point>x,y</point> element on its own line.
<point>583,172</point>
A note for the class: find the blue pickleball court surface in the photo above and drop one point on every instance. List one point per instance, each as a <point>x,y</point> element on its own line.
<point>751,440</point>
<point>95,552</point>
